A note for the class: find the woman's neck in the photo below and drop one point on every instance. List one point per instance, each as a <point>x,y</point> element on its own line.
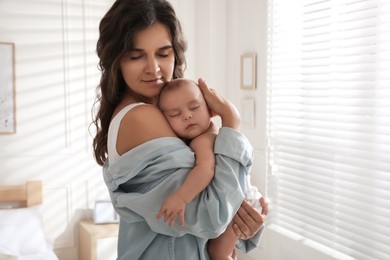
<point>131,97</point>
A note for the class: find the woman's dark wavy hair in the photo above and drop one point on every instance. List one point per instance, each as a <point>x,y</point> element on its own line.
<point>117,31</point>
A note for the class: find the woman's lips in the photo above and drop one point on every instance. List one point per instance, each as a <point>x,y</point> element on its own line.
<point>154,81</point>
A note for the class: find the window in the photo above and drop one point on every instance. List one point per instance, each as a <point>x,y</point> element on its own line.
<point>329,124</point>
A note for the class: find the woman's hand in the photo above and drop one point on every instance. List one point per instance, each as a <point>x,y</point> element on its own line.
<point>220,106</point>
<point>248,220</point>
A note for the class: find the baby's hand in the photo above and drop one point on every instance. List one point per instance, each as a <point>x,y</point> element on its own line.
<point>172,207</point>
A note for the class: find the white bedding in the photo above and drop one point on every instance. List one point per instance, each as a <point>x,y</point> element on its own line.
<point>22,236</point>
<point>48,255</point>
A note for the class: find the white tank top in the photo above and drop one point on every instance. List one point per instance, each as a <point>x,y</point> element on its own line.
<point>113,132</point>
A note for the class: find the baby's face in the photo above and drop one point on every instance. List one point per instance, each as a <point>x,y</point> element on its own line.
<point>186,110</point>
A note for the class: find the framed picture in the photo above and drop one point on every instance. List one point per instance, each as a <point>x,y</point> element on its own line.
<point>248,71</point>
<point>248,112</point>
<point>105,213</point>
<point>7,88</point>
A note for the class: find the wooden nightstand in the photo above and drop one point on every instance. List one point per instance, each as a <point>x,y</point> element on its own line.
<point>97,241</point>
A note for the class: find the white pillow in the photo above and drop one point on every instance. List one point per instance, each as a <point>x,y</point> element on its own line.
<point>21,232</point>
<point>8,245</point>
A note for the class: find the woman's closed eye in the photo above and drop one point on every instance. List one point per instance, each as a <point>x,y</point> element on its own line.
<point>134,55</point>
<point>164,53</point>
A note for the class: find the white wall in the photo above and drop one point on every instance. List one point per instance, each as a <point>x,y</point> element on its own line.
<point>246,33</point>
<point>56,76</point>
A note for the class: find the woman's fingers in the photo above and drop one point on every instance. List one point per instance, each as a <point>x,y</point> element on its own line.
<point>213,100</point>
<point>221,106</point>
<point>250,213</point>
<point>236,229</point>
<point>252,218</point>
<point>239,227</point>
<point>203,87</point>
<point>248,221</point>
<point>264,206</point>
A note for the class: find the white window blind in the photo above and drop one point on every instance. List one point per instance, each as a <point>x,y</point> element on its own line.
<point>329,124</point>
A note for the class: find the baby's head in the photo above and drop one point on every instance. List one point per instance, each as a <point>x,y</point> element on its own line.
<point>183,105</point>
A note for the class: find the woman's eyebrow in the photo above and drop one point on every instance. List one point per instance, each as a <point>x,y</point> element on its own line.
<point>166,47</point>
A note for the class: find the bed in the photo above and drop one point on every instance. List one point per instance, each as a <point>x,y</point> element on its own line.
<point>21,228</point>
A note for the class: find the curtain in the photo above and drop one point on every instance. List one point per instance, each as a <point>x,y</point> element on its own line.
<point>328,124</point>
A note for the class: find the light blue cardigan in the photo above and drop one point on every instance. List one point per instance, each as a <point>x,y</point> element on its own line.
<point>142,178</point>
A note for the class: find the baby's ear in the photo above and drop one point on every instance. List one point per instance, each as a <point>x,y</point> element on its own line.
<point>212,113</point>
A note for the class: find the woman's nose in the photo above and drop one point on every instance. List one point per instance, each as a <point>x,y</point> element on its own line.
<point>152,66</point>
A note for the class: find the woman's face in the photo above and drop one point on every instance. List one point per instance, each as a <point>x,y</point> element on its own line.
<point>151,63</point>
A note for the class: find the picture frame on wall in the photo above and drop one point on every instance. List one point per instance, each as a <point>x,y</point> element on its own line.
<point>7,88</point>
<point>104,212</point>
<point>248,71</point>
<point>248,112</point>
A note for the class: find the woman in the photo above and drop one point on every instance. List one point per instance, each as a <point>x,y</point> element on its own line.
<point>141,47</point>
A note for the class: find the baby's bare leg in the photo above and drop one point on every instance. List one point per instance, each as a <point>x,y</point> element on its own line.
<point>223,247</point>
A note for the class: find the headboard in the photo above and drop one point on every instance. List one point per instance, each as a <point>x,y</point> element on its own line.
<point>25,195</point>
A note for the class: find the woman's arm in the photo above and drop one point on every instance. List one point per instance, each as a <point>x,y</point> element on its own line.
<point>248,220</point>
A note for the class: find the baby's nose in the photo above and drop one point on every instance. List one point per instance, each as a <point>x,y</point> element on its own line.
<point>187,116</point>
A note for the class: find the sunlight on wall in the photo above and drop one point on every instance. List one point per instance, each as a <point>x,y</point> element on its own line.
<point>56,78</point>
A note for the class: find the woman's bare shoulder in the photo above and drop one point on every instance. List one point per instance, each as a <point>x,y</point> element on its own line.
<point>141,124</point>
